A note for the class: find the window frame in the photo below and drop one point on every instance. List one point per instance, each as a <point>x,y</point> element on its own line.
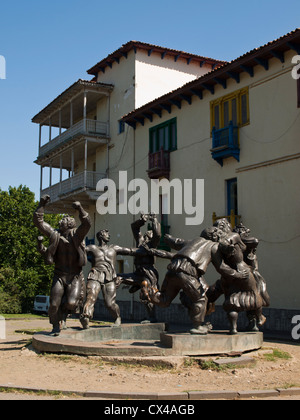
<point>220,102</point>
<point>154,136</point>
<point>121,127</point>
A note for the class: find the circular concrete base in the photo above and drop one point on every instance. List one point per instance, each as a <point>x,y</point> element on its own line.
<point>145,340</point>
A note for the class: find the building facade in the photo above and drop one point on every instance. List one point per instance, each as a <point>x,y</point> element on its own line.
<point>156,113</point>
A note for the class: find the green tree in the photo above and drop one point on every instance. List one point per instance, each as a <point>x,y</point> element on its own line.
<point>23,273</point>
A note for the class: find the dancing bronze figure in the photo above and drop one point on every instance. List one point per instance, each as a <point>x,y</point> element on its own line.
<point>103,277</point>
<point>67,252</point>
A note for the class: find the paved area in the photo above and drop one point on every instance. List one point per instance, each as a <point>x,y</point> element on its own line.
<point>185,379</point>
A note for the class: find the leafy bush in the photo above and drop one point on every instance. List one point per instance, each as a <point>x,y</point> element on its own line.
<point>23,273</point>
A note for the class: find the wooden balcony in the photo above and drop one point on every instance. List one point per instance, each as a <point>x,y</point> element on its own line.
<point>225,143</point>
<point>159,164</point>
<point>80,187</point>
<point>85,128</point>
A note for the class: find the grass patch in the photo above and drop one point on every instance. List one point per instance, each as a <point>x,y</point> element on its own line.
<point>288,386</point>
<point>29,331</point>
<point>277,355</point>
<point>48,393</point>
<point>210,365</point>
<point>22,316</point>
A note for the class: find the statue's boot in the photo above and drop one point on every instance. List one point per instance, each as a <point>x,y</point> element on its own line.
<point>55,330</point>
<point>84,320</point>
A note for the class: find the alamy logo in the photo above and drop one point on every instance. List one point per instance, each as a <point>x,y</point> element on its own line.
<point>296,68</point>
<point>2,67</point>
<point>296,329</point>
<point>2,328</point>
<point>188,197</point>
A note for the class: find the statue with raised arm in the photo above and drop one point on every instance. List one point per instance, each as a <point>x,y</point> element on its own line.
<point>185,275</point>
<point>67,252</point>
<point>103,277</point>
<point>247,291</point>
<point>145,274</point>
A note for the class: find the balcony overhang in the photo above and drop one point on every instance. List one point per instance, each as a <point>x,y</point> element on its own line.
<point>57,113</point>
<point>247,63</point>
<point>80,187</point>
<point>73,150</point>
<point>72,142</point>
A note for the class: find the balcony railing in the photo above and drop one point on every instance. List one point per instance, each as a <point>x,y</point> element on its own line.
<point>159,164</point>
<point>225,143</point>
<point>82,181</point>
<point>84,127</point>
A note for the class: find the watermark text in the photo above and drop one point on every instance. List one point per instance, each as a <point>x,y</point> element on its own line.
<point>2,67</point>
<point>136,196</point>
<point>296,328</point>
<point>296,68</point>
<point>2,328</point>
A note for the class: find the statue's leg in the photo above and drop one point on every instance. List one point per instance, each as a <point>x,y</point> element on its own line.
<point>256,319</point>
<point>149,281</point>
<point>93,288</point>
<point>72,294</point>
<point>109,291</point>
<point>194,299</point>
<point>151,313</point>
<point>233,318</point>
<point>170,288</point>
<point>56,295</point>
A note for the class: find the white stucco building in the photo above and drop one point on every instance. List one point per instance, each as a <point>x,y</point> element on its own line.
<point>155,112</point>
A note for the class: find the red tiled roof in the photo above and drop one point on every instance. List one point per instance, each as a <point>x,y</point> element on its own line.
<point>66,95</point>
<point>220,75</point>
<point>134,45</point>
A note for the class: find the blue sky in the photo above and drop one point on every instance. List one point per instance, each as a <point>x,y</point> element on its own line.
<point>48,45</point>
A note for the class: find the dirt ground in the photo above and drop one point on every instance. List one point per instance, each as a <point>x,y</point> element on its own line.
<point>21,366</point>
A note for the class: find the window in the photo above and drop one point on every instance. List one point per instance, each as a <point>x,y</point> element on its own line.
<point>232,199</point>
<point>121,127</point>
<point>233,107</point>
<point>163,136</point>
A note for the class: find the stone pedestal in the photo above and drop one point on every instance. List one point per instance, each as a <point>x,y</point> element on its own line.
<point>144,341</point>
<point>214,343</point>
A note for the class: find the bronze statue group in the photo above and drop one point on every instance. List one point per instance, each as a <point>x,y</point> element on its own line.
<point>231,251</point>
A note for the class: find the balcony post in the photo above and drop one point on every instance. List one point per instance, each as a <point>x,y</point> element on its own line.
<point>108,116</point>
<point>59,121</point>
<point>41,181</point>
<point>85,162</point>
<point>84,110</point>
<point>60,174</point>
<point>40,137</point>
<point>71,114</point>
<point>50,175</point>
<point>72,167</point>
<point>50,135</point>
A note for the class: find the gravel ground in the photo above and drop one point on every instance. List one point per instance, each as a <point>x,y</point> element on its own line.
<point>21,366</point>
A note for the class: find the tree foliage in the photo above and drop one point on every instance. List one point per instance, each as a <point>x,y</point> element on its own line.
<point>23,273</point>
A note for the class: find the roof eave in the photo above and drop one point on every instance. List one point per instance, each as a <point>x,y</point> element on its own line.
<point>233,69</point>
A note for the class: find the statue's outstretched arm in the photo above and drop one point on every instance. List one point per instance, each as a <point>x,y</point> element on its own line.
<point>85,220</point>
<point>38,217</point>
